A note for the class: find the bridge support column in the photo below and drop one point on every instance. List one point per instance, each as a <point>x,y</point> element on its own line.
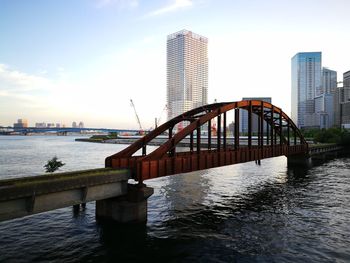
<point>302,160</point>
<point>130,209</point>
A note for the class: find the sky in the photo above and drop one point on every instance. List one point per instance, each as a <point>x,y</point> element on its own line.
<point>83,60</point>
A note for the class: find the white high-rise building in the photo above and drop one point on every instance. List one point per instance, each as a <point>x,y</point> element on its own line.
<point>187,72</point>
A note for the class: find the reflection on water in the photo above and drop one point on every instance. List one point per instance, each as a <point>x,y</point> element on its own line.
<point>239,213</point>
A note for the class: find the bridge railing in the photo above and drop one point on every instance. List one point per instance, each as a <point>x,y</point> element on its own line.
<point>184,162</point>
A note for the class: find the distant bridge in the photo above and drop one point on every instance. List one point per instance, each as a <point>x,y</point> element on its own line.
<point>70,130</point>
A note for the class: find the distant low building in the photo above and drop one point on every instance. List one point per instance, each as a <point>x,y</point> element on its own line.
<point>81,124</point>
<point>74,124</point>
<point>40,125</point>
<point>21,123</point>
<point>243,118</point>
<point>231,128</point>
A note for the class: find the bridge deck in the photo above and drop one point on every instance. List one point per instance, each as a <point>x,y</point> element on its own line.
<point>30,195</point>
<point>183,162</point>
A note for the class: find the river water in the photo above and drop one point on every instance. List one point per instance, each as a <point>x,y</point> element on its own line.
<point>239,213</point>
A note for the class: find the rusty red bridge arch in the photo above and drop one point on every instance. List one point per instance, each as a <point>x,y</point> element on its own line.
<point>276,135</point>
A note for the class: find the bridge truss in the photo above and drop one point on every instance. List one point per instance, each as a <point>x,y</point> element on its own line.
<point>276,135</point>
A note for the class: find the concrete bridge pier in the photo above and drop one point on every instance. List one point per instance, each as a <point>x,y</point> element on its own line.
<point>131,208</point>
<point>301,160</point>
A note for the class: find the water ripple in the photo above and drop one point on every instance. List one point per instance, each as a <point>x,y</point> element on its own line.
<point>240,213</point>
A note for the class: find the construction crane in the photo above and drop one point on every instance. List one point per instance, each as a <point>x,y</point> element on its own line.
<point>137,116</point>
<point>158,120</point>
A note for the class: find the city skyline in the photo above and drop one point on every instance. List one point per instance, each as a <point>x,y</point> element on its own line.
<point>24,123</point>
<point>86,59</point>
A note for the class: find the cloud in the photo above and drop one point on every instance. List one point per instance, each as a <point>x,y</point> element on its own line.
<point>23,98</point>
<point>98,94</point>
<point>148,40</point>
<point>175,6</point>
<point>22,93</point>
<point>16,81</point>
<point>119,3</point>
<point>35,97</point>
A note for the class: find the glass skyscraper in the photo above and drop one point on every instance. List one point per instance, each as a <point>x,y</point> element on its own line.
<point>306,85</point>
<point>187,72</point>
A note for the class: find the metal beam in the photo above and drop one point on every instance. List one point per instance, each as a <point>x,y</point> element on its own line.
<point>236,131</point>
<point>272,126</point>
<point>288,132</point>
<point>281,128</point>
<point>218,143</point>
<point>224,131</point>
<point>209,134</point>
<point>191,142</point>
<point>250,125</point>
<point>198,138</point>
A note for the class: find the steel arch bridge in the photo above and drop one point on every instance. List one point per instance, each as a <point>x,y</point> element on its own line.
<point>276,135</point>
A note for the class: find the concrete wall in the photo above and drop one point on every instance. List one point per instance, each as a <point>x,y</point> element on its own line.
<point>27,196</point>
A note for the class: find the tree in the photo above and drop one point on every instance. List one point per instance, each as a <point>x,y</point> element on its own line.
<point>53,165</point>
<point>331,135</point>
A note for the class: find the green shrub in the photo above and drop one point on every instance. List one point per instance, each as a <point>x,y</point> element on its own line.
<point>53,165</point>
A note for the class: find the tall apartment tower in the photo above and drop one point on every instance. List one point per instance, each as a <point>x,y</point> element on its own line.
<point>187,72</point>
<point>306,85</point>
